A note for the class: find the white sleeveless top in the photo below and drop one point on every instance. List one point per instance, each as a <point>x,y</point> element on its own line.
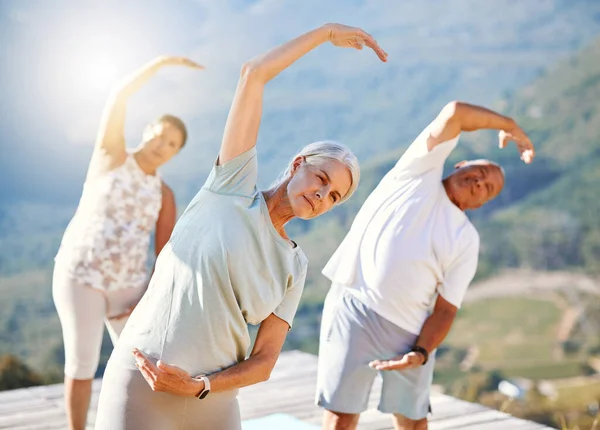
<point>106,243</point>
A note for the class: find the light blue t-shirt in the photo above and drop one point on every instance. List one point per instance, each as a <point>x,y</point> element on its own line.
<point>225,266</point>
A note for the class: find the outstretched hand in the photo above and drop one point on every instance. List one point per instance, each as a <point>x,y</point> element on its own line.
<point>168,60</point>
<point>166,378</point>
<point>354,37</point>
<point>524,145</point>
<point>410,360</point>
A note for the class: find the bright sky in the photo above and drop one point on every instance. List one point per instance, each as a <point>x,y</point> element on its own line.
<point>58,59</point>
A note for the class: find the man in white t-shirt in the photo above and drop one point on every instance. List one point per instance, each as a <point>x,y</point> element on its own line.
<point>401,273</point>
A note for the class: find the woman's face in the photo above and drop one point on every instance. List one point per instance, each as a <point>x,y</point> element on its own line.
<point>162,143</point>
<point>316,188</point>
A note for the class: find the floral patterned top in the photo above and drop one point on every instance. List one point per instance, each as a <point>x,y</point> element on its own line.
<point>106,243</point>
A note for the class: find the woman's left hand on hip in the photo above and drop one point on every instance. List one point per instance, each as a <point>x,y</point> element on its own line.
<point>166,378</point>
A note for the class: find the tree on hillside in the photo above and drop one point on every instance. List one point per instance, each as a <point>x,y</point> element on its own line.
<point>16,374</point>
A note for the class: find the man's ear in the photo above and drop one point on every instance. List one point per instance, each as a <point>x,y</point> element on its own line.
<point>461,164</point>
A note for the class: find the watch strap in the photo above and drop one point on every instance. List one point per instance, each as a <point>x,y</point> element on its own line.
<point>423,351</point>
<point>204,392</point>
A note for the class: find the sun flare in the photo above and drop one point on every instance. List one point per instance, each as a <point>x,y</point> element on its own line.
<point>98,72</point>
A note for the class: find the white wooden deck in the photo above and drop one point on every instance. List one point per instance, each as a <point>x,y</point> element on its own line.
<point>289,391</point>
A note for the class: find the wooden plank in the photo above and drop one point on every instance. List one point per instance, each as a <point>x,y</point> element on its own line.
<point>39,416</point>
<point>479,419</point>
<point>290,390</point>
<point>23,406</point>
<point>455,408</point>
<point>508,424</point>
<point>15,395</point>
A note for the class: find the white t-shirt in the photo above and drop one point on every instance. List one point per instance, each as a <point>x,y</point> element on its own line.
<point>408,242</point>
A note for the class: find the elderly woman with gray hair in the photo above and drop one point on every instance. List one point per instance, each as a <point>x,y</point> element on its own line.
<point>229,263</point>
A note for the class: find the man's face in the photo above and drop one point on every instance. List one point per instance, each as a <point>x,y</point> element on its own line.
<point>474,183</point>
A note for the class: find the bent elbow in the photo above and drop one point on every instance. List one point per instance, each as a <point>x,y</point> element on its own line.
<point>251,71</point>
<point>451,110</point>
<point>267,368</point>
<point>265,374</point>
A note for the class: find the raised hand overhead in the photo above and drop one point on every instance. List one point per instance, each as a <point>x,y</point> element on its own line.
<point>354,37</point>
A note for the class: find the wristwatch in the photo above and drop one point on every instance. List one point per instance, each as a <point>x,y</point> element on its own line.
<point>422,351</point>
<point>204,392</point>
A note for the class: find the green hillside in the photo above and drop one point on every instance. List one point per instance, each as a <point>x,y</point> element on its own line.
<point>556,224</point>
<point>546,218</point>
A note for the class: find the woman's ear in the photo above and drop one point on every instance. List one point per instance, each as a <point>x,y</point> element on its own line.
<point>297,163</point>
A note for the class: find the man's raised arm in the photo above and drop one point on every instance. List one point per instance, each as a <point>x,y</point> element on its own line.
<point>457,117</point>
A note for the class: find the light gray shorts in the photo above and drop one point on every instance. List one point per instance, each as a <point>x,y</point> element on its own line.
<point>352,335</point>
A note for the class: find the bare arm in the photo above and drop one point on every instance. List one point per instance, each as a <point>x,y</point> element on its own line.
<point>434,331</point>
<point>436,327</point>
<point>457,117</point>
<point>166,219</point>
<point>241,129</point>
<point>111,134</point>
<point>257,368</point>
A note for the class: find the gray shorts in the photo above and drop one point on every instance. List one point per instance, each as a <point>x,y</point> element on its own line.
<point>352,335</point>
<point>128,403</point>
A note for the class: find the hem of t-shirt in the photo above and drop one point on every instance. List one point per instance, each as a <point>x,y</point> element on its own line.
<point>452,302</point>
<point>289,323</point>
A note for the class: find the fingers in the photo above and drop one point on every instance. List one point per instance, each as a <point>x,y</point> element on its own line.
<point>147,368</point>
<point>406,361</point>
<point>162,376</point>
<point>193,64</point>
<point>179,61</point>
<point>369,41</point>
<point>173,370</point>
<point>527,156</point>
<point>352,37</point>
<point>388,364</point>
<point>529,153</point>
<point>526,150</point>
<point>184,61</point>
<point>523,143</point>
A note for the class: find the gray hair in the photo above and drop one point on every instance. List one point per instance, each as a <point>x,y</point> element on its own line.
<point>326,150</point>
<point>485,161</point>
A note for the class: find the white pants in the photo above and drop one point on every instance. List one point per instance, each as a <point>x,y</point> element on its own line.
<point>83,312</point>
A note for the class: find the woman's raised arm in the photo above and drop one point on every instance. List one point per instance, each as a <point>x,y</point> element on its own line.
<point>241,129</point>
<point>111,134</point>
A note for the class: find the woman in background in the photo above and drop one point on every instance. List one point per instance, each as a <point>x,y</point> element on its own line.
<point>100,269</point>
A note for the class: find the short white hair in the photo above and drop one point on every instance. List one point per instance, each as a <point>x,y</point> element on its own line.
<point>326,150</point>
<point>485,162</point>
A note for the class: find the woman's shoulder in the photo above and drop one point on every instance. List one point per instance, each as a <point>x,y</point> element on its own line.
<point>103,163</point>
